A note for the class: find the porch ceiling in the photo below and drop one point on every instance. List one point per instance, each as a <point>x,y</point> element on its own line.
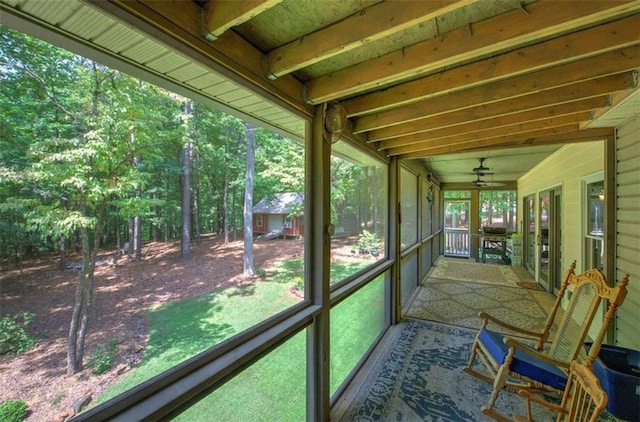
<point>418,79</point>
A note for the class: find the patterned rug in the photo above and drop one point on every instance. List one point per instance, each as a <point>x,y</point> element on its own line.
<point>459,303</point>
<point>531,285</point>
<point>465,270</point>
<point>418,377</point>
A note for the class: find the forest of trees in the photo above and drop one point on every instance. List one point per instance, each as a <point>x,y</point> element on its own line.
<point>92,159</point>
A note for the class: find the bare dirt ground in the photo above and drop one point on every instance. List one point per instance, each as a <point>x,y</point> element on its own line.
<point>122,294</point>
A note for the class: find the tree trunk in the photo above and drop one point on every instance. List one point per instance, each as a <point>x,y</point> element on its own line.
<point>84,292</point>
<point>196,197</point>
<point>76,315</point>
<point>130,236</point>
<point>186,186</point>
<point>248,201</point>
<point>137,220</point>
<point>63,253</point>
<point>137,237</point>
<point>225,192</point>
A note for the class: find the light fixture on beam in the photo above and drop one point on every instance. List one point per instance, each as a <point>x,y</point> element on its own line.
<point>334,122</point>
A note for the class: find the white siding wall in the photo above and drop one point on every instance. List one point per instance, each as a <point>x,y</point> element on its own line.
<point>565,168</point>
<point>628,231</point>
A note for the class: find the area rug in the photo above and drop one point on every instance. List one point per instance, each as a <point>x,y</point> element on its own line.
<point>418,377</point>
<point>459,303</point>
<point>531,285</point>
<point>465,270</point>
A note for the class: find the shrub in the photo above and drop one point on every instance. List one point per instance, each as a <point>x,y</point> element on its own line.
<point>14,337</point>
<point>14,410</point>
<point>368,242</point>
<point>103,357</point>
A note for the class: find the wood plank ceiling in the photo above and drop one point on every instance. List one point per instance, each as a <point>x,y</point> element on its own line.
<point>418,78</point>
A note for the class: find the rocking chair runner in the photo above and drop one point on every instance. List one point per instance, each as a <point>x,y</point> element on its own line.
<point>583,398</point>
<point>514,366</point>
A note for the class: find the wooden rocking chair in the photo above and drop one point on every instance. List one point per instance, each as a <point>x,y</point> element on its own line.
<point>512,365</point>
<point>583,398</point>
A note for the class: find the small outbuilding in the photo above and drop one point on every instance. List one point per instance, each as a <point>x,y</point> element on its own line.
<point>280,214</point>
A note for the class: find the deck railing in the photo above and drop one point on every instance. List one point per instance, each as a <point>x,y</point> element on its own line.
<point>456,242</point>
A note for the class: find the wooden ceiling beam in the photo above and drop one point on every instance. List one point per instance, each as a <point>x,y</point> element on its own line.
<point>542,19</point>
<point>231,55</point>
<point>576,46</point>
<point>548,137</point>
<point>221,15</point>
<point>371,24</point>
<point>493,141</point>
<point>419,141</point>
<point>593,67</point>
<point>442,124</point>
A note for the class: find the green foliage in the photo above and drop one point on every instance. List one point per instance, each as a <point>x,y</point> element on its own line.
<point>103,357</point>
<point>84,136</point>
<point>14,410</point>
<point>261,273</point>
<point>14,337</point>
<point>369,242</point>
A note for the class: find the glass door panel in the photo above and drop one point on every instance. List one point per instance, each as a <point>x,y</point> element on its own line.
<point>456,228</point>
<point>545,219</point>
<point>529,233</point>
<point>550,236</point>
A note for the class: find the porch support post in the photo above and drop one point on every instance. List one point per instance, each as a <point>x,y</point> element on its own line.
<point>395,294</point>
<point>318,214</point>
<point>474,227</point>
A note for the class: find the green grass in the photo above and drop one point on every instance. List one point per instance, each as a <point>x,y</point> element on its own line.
<point>274,387</point>
<point>179,330</point>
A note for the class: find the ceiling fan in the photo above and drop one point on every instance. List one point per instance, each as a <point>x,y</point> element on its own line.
<point>479,183</point>
<point>481,170</point>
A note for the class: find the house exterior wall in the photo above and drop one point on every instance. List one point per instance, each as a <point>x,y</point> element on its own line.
<point>566,168</point>
<point>628,231</point>
<point>272,222</point>
<point>259,228</point>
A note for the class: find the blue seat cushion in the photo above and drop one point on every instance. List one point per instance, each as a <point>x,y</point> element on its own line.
<point>523,363</point>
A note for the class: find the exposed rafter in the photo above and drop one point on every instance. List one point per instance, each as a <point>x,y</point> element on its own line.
<point>454,123</point>
<point>540,20</point>
<point>220,15</point>
<point>373,23</point>
<point>546,55</point>
<point>545,137</point>
<point>521,93</point>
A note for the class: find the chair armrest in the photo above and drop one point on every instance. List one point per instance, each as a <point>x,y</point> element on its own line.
<point>486,318</point>
<point>511,342</point>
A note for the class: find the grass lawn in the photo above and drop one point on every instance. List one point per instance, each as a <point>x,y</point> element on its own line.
<point>274,387</point>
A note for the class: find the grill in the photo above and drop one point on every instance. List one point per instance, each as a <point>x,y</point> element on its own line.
<point>494,242</point>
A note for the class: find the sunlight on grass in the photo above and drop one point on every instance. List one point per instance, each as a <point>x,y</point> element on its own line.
<point>179,330</point>
<point>355,324</point>
<point>274,387</point>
